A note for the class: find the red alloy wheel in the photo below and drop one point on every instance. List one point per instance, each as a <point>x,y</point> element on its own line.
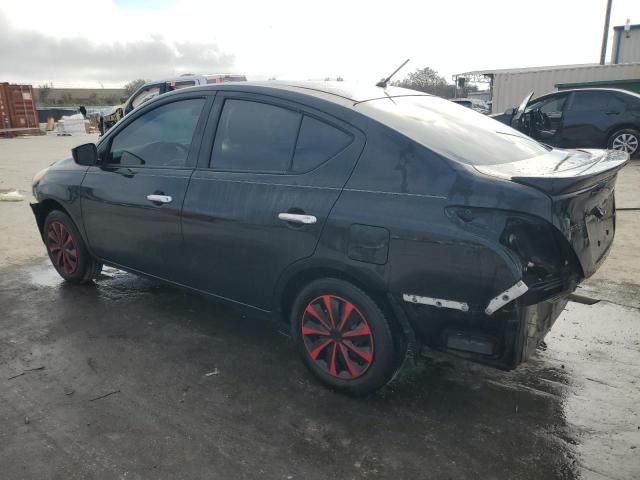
<point>64,254</point>
<point>337,337</point>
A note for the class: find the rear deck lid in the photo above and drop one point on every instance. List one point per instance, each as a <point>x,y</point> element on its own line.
<point>581,186</point>
<point>560,171</point>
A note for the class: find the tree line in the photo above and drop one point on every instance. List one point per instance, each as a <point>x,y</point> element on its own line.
<point>429,81</point>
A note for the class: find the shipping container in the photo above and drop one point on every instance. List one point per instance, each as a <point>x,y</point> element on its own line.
<point>17,110</point>
<point>510,86</point>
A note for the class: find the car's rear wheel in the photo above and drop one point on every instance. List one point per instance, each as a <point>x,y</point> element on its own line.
<point>344,337</point>
<point>626,140</point>
<point>67,250</point>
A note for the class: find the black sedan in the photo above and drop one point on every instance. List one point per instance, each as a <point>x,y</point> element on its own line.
<point>581,118</point>
<point>374,221</point>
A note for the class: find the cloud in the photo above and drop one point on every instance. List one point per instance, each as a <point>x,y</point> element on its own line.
<point>37,57</point>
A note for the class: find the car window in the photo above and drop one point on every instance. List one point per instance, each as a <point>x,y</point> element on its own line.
<point>553,105</point>
<point>186,84</point>
<point>464,103</point>
<point>589,101</point>
<point>160,137</point>
<point>453,131</point>
<point>254,137</point>
<point>317,142</point>
<point>145,95</point>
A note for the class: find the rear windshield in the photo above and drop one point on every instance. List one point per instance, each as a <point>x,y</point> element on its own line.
<point>452,130</point>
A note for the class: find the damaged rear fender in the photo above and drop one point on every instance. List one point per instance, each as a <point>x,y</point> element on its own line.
<point>547,264</point>
<point>489,258</point>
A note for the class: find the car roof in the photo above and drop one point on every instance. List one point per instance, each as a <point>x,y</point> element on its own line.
<point>592,89</point>
<point>344,93</point>
<point>176,78</point>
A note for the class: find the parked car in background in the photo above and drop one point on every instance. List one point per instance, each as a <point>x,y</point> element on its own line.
<point>476,104</point>
<point>152,89</point>
<point>369,219</point>
<point>580,118</point>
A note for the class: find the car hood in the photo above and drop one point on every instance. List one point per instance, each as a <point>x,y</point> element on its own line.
<point>560,170</point>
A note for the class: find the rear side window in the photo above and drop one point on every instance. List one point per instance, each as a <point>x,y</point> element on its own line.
<point>254,137</point>
<point>317,142</point>
<point>160,137</point>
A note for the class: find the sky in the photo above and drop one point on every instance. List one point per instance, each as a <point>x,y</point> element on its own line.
<point>94,43</point>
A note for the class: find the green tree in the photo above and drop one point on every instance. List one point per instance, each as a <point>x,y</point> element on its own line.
<point>43,92</point>
<point>109,100</point>
<point>66,99</point>
<point>427,80</point>
<point>131,87</point>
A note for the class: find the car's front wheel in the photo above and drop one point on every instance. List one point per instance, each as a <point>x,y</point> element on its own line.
<point>67,250</point>
<point>626,140</point>
<point>344,337</point>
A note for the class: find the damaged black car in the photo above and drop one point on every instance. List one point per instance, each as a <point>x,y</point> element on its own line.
<point>373,221</point>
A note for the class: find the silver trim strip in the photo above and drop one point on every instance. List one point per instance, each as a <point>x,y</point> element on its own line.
<point>436,302</point>
<point>505,297</point>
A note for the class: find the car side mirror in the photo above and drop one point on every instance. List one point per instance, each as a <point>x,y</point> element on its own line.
<point>510,111</point>
<point>86,154</point>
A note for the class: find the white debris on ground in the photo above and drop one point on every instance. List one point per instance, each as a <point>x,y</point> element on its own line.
<point>11,196</point>
<point>72,125</point>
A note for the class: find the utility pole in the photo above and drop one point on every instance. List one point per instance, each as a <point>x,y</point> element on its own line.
<point>605,34</point>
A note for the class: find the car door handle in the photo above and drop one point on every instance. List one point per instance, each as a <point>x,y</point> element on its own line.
<point>298,218</point>
<point>612,113</point>
<point>159,198</point>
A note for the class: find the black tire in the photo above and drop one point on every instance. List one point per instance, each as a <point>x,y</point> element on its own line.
<point>339,363</point>
<point>67,250</point>
<point>628,137</point>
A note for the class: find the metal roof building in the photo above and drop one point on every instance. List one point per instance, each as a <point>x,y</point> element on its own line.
<point>510,86</point>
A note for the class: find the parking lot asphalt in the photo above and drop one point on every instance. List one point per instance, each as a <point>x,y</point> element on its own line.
<point>128,378</point>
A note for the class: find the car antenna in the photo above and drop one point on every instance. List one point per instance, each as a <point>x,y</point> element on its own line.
<point>385,81</point>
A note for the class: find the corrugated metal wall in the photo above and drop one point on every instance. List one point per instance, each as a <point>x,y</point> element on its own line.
<point>509,88</point>
<point>626,46</point>
<point>17,110</point>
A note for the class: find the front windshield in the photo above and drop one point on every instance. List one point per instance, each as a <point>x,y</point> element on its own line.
<point>453,131</point>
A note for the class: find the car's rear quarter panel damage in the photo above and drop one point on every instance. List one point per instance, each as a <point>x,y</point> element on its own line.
<point>442,248</point>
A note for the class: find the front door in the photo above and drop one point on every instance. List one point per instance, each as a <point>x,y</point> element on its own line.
<point>262,193</point>
<point>545,119</point>
<point>131,202</point>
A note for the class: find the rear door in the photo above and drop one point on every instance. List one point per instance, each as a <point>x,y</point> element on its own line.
<point>264,187</point>
<point>588,118</point>
<point>131,202</point>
